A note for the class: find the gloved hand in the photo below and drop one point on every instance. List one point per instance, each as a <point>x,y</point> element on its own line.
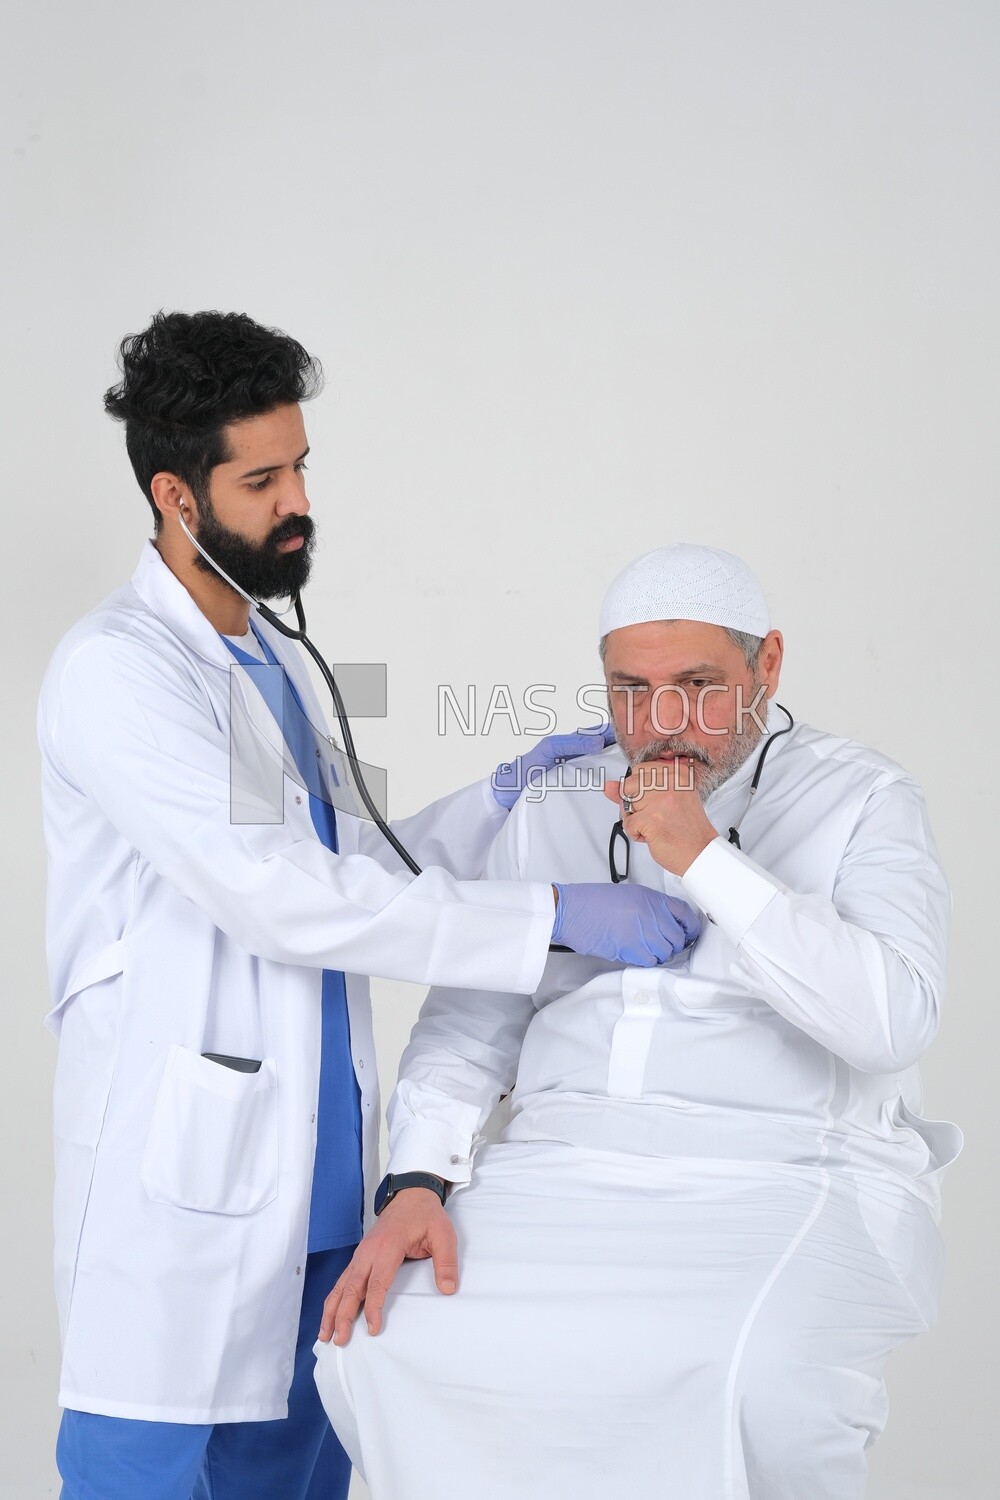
<point>511,777</point>
<point>628,924</point>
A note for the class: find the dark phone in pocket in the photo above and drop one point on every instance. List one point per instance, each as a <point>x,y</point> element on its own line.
<point>238,1064</point>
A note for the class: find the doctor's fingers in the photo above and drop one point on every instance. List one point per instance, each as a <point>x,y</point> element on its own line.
<point>687,919</point>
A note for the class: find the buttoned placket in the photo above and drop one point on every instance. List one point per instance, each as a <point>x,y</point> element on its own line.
<point>632,1036</point>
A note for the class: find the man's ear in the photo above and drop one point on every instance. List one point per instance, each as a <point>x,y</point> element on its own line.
<point>171,495</point>
<point>769,660</point>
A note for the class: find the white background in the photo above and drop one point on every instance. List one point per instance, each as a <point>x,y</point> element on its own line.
<point>586,278</point>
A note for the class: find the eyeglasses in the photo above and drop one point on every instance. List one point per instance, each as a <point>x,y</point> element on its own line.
<point>619,836</point>
<point>620,859</point>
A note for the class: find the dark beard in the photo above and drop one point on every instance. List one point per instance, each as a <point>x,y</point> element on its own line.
<point>262,571</point>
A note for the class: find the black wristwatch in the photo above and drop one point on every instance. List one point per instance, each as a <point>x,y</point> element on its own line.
<point>395,1182</point>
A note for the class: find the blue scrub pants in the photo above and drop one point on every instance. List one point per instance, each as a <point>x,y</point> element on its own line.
<point>297,1458</point>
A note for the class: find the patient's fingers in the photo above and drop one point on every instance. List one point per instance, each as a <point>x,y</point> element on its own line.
<point>443,1244</point>
<point>414,1226</point>
<point>344,1302</point>
<point>382,1275</point>
<point>330,1306</point>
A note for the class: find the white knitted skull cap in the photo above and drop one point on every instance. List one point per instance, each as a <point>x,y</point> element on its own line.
<point>685,582</point>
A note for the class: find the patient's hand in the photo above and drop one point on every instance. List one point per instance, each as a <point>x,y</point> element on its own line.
<point>414,1226</point>
<point>666,811</point>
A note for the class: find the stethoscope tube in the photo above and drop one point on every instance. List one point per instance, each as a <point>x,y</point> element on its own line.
<point>339,709</point>
<point>301,636</point>
<point>734,832</point>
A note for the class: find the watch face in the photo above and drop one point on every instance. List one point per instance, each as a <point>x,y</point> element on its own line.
<point>391,1185</point>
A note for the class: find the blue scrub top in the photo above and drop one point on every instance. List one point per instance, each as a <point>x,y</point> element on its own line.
<point>337,1208</point>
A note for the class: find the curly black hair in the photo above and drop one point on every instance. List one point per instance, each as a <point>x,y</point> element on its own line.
<point>187,376</point>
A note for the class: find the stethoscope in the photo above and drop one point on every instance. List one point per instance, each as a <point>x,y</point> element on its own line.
<point>299,634</point>
<point>618,831</point>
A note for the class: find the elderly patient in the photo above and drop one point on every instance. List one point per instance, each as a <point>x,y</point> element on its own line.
<point>712,1214</point>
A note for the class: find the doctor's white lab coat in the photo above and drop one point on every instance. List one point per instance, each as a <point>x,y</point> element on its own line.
<point>182,1187</point>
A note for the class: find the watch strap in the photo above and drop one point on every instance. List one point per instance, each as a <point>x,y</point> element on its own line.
<point>395,1182</point>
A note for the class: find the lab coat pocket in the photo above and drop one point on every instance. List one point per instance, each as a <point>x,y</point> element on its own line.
<point>213,1139</point>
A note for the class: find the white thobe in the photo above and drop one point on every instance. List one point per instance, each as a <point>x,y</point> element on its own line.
<point>712,1212</point>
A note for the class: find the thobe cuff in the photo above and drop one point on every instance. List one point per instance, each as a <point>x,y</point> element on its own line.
<point>428,1146</point>
<point>729,888</point>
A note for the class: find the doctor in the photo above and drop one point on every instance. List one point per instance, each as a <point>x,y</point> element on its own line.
<point>215,1090</point>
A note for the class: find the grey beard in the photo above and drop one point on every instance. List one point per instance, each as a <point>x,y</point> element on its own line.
<point>735,749</point>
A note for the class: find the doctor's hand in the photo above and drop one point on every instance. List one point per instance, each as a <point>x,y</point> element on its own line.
<point>628,924</point>
<point>510,778</point>
<point>660,807</point>
<point>414,1226</point>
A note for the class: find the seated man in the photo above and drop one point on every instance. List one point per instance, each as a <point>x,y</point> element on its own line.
<point>712,1214</point>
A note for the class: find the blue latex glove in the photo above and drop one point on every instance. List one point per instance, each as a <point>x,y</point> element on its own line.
<point>629,924</point>
<point>510,778</point>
